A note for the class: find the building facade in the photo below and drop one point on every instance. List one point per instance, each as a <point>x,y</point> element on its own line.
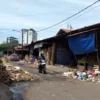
<point>29,36</point>
<point>12,40</point>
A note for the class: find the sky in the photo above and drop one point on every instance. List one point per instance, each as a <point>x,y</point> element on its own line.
<point>40,14</point>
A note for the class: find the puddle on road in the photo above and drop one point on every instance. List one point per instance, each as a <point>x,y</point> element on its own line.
<point>18,88</point>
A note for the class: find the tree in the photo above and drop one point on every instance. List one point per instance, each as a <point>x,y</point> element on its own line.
<point>7,46</point>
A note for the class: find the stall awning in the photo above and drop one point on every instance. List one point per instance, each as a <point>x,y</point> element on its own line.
<point>38,45</point>
<point>83,43</point>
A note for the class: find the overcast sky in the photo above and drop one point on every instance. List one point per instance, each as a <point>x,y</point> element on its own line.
<point>39,14</point>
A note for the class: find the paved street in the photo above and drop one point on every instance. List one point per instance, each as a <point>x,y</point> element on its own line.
<point>55,87</point>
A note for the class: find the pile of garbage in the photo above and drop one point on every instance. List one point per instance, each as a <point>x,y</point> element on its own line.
<point>10,73</point>
<point>4,75</point>
<point>92,75</point>
<point>16,74</point>
<point>5,61</point>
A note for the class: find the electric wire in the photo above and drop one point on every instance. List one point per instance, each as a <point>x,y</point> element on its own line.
<point>69,17</point>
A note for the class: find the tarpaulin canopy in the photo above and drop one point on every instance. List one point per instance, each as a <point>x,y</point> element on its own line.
<point>83,43</point>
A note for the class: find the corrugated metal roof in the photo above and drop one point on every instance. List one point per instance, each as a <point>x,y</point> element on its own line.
<point>57,36</point>
<point>84,30</point>
<point>62,31</point>
<point>71,32</point>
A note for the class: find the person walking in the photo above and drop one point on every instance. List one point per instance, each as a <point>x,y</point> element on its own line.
<point>42,64</point>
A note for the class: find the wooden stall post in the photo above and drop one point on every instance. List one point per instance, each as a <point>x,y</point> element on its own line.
<point>53,53</point>
<point>97,50</point>
<point>48,56</point>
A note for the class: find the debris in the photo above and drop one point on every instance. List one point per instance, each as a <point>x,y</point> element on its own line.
<point>5,59</point>
<point>91,75</point>
<point>99,80</point>
<point>4,76</point>
<point>65,74</point>
<point>9,74</point>
<point>16,68</point>
<point>17,74</point>
<point>21,62</point>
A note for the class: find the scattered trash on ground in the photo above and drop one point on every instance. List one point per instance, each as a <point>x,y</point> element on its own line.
<point>11,73</point>
<point>21,62</point>
<point>92,75</point>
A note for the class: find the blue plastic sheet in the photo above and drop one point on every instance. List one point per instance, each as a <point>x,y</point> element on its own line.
<point>83,43</point>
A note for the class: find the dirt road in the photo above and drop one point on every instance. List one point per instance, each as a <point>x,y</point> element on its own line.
<point>55,87</point>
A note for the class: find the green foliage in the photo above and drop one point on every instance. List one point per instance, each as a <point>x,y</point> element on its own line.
<point>7,46</point>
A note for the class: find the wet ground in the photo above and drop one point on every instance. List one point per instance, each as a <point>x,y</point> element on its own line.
<point>18,88</point>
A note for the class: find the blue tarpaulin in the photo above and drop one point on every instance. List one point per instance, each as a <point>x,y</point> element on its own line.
<point>83,43</point>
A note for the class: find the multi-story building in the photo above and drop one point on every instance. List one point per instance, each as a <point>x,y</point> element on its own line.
<point>12,40</point>
<point>29,36</point>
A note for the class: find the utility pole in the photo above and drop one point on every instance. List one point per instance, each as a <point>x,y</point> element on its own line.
<point>22,43</point>
<point>22,33</point>
<point>27,36</point>
<point>7,47</point>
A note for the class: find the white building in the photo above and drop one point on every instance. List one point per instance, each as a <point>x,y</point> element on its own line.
<point>29,36</point>
<point>25,36</point>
